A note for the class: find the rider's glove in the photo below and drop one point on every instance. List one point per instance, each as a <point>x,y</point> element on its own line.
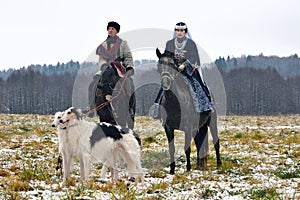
<point>129,71</point>
<point>181,67</point>
<point>108,97</point>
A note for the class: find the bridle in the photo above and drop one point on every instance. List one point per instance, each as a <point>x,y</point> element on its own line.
<point>166,76</point>
<point>102,105</point>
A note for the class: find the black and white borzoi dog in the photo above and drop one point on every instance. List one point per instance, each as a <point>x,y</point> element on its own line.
<point>98,141</point>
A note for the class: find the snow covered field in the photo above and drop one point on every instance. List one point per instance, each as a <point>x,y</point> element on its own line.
<point>260,155</point>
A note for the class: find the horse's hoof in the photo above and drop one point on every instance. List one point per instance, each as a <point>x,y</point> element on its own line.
<point>202,164</point>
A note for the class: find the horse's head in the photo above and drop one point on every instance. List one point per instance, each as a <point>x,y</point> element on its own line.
<point>109,79</point>
<point>167,68</point>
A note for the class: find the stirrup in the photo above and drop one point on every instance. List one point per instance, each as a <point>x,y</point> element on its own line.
<point>154,111</point>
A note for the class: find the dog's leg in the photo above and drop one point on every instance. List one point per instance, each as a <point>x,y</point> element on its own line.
<point>64,166</point>
<point>116,161</point>
<point>104,169</point>
<point>84,168</point>
<point>130,164</point>
<point>81,162</point>
<point>135,158</point>
<point>121,157</point>
<point>67,159</point>
<point>112,171</point>
<point>87,168</point>
<point>116,173</point>
<point>140,170</point>
<point>111,163</point>
<point>134,166</point>
<point>59,164</point>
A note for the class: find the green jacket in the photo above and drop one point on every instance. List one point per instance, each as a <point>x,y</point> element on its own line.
<point>123,52</point>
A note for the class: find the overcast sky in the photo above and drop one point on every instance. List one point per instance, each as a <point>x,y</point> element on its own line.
<point>52,31</point>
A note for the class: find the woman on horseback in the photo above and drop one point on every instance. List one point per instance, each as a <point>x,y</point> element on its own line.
<point>187,59</point>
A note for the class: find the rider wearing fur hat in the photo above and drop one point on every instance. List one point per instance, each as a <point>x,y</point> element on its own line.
<point>115,49</point>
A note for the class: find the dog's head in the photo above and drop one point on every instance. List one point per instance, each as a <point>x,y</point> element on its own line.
<point>71,114</point>
<point>57,117</point>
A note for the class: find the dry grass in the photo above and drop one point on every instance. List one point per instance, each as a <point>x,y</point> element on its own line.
<point>260,155</point>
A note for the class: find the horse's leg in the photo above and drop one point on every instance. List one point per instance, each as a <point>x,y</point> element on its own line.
<point>105,114</point>
<point>170,136</point>
<point>214,132</point>
<point>201,141</point>
<point>197,140</point>
<point>204,119</point>
<point>121,105</point>
<point>130,122</point>
<point>131,111</point>
<point>187,148</point>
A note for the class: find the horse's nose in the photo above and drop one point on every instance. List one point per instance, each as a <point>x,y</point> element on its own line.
<point>166,83</point>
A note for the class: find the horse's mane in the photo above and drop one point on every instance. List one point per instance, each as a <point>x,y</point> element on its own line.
<point>168,54</point>
<point>109,78</point>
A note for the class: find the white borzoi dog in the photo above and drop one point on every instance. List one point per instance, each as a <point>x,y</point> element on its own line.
<point>61,129</point>
<point>101,142</point>
<point>68,151</point>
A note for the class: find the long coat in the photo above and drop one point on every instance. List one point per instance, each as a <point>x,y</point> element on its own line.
<point>190,58</point>
<point>191,51</point>
<point>123,51</point>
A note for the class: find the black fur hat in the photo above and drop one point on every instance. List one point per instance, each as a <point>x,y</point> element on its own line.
<point>113,24</point>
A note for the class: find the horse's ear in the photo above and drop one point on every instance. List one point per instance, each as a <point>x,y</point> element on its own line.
<point>158,53</point>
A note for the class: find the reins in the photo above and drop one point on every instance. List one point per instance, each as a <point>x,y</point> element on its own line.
<point>102,105</point>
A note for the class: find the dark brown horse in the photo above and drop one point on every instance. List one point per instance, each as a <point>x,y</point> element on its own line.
<point>178,112</point>
<point>114,97</point>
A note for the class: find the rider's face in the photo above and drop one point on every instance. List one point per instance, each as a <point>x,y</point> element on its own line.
<point>111,31</point>
<point>180,33</point>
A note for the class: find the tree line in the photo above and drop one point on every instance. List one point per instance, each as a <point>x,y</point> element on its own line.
<point>261,85</point>
<point>254,85</point>
<point>33,90</point>
<point>253,91</point>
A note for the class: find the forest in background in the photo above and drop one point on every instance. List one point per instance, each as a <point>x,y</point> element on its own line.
<point>254,85</point>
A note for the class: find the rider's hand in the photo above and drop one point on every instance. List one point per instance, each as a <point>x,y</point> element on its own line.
<point>129,71</point>
<point>108,97</point>
<point>181,67</point>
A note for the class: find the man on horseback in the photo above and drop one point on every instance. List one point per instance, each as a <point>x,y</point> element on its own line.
<point>114,51</point>
<point>187,59</point>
